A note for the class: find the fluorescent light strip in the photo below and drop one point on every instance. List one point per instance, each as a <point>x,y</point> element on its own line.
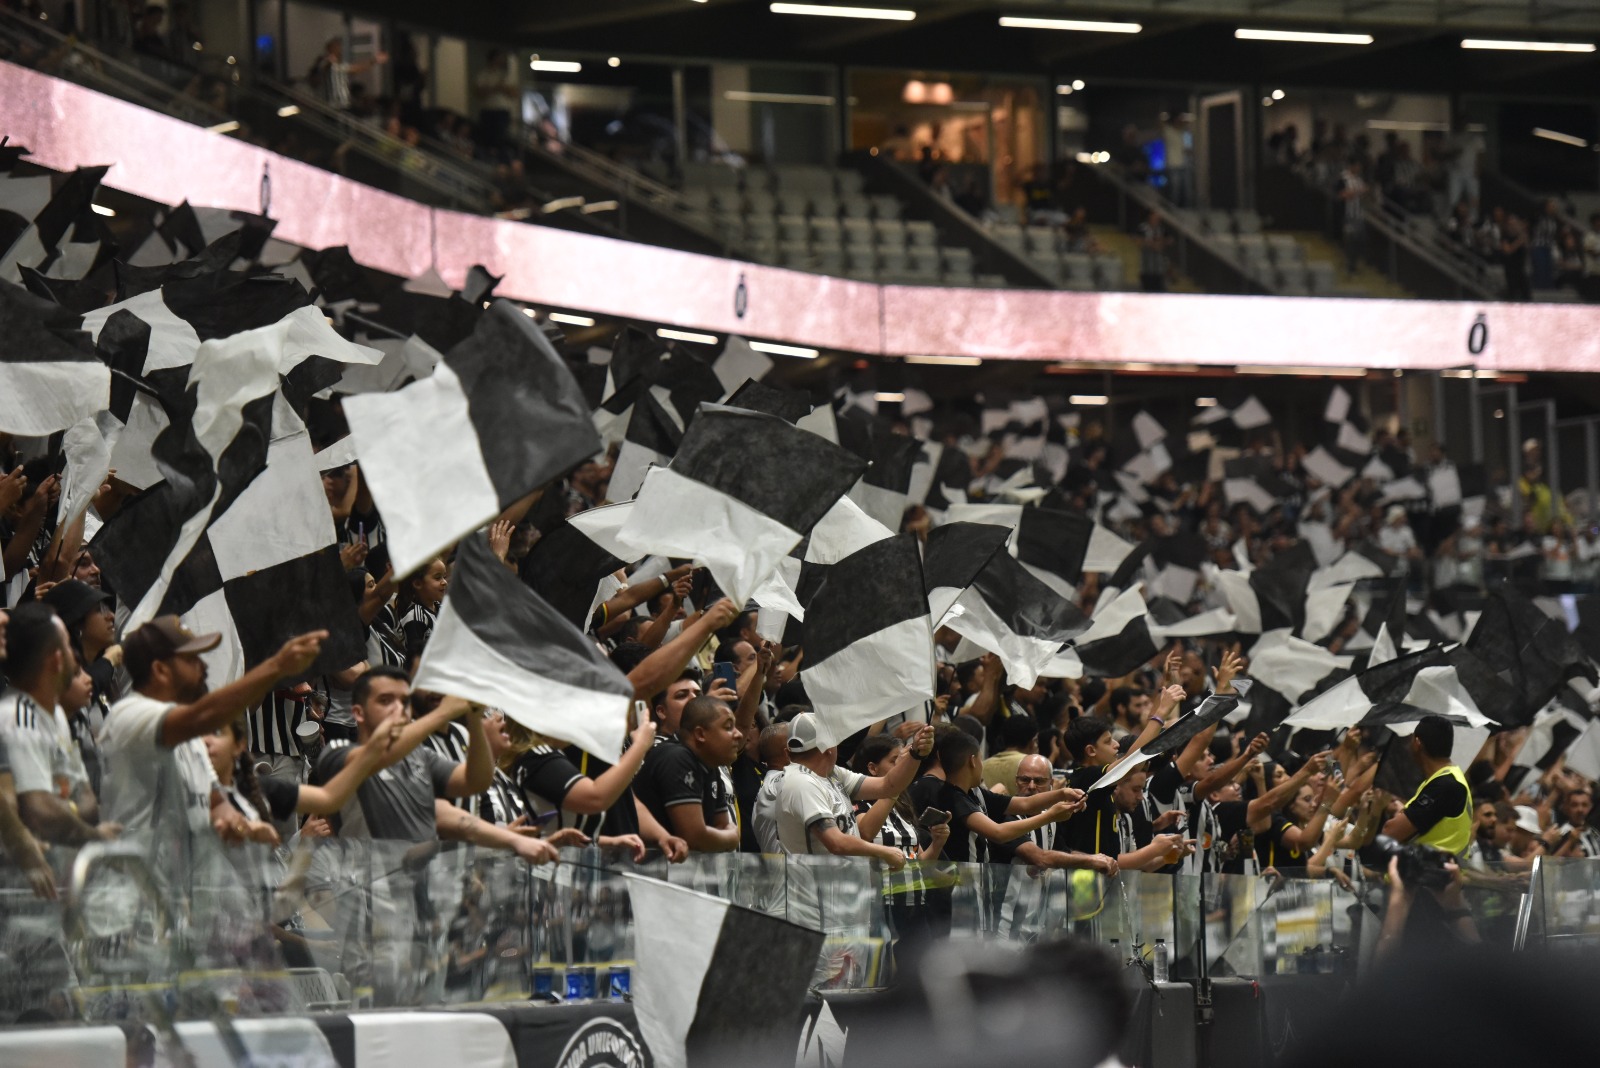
<point>288,111</point>
<point>1205,402</point>
<point>1558,136</point>
<point>784,350</point>
<point>224,127</point>
<point>1303,37</point>
<point>561,203</point>
<point>888,398</point>
<point>748,97</point>
<point>946,361</point>
<point>101,209</point>
<point>571,320</point>
<point>1088,399</point>
<point>1527,46</point>
<point>1018,22</point>
<point>1287,369</point>
<point>887,14</point>
<point>685,335</point>
<point>555,66</point>
<point>598,205</point>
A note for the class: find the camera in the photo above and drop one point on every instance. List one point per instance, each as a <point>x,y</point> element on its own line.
<point>1419,865</point>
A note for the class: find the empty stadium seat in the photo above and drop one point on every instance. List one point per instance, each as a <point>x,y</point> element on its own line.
<point>891,232</point>
<point>1321,278</point>
<point>858,233</point>
<point>852,206</point>
<point>921,233</point>
<point>794,228</point>
<point>1041,240</point>
<point>792,203</point>
<point>1077,266</point>
<point>1247,221</point>
<point>885,206</point>
<point>1010,237</point>
<point>825,233</point>
<point>710,174</point>
<point>957,261</point>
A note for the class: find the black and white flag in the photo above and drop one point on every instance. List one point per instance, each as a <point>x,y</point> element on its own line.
<point>716,983</point>
<point>1120,638</point>
<point>1180,732</point>
<point>868,640</point>
<point>953,556</point>
<point>498,643</point>
<point>1056,545</point>
<point>1445,681</point>
<point>498,418</point>
<point>651,440</point>
<point>1024,622</point>
<point>1293,667</point>
<point>884,491</point>
<point>49,376</point>
<point>565,567</point>
<point>214,446</point>
<point>1275,598</point>
<point>48,229</point>
<point>1531,652</point>
<point>742,491</point>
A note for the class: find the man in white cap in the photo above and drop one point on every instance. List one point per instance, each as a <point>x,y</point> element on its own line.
<point>1396,537</point>
<point>816,803</point>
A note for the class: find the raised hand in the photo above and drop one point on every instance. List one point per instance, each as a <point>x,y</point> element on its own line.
<point>298,653</point>
<point>1169,699</point>
<point>1232,664</point>
<point>12,487</point>
<point>568,836</point>
<point>500,538</point>
<point>353,555</point>
<point>1257,746</point>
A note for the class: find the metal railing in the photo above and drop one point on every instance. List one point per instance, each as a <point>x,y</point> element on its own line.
<point>1195,254</point>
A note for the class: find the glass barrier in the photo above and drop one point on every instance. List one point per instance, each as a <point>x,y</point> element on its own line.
<point>174,925</point>
<point>1563,906</point>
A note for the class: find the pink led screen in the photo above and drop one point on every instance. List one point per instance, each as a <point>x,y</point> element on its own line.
<point>165,160</point>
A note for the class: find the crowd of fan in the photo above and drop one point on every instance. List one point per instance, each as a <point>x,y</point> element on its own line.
<point>103,731</point>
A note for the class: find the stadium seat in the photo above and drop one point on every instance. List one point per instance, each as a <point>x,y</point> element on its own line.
<point>792,203</point>
<point>761,227</point>
<point>885,206</point>
<point>849,183</point>
<point>794,228</point>
<point>1321,278</point>
<point>825,205</point>
<point>1216,222</point>
<point>925,260</point>
<point>795,254</point>
<point>1009,236</point>
<point>892,260</point>
<point>760,202</point>
<point>1077,267</point>
<point>922,233</point>
<point>710,174</point>
<point>1041,240</point>
<point>860,262</point>
<point>825,233</point>
<point>1047,264</point>
<point>858,233</point>
<point>852,206</point>
<point>828,260</point>
<point>957,260</point>
<point>1247,221</point>
<point>891,233</point>
<point>1110,273</point>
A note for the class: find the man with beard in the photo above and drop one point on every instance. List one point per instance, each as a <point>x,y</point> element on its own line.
<point>151,742</point>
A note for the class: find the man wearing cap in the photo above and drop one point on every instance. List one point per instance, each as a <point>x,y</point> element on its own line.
<point>151,741</point>
<point>816,803</point>
<point>1439,814</point>
<point>44,776</point>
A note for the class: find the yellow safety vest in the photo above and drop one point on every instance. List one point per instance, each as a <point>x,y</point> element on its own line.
<point>1453,834</point>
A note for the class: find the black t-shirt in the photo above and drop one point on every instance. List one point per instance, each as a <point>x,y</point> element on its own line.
<point>672,776</point>
<point>1078,834</point>
<point>545,776</point>
<point>1273,852</point>
<point>924,793</point>
<point>965,843</point>
<point>1165,781</point>
<point>1440,799</point>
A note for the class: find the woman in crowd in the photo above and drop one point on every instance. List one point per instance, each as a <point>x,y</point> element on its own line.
<point>418,605</point>
<point>891,822</point>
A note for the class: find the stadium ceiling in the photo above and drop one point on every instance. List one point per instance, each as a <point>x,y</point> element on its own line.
<point>1416,44</point>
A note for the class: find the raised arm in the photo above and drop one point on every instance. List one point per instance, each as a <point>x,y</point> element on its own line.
<point>1014,829</point>
<point>221,706</point>
<point>1223,774</point>
<point>475,774</point>
<point>988,700</point>
<point>359,765</point>
<point>1268,803</point>
<point>592,796</point>
<point>656,671</point>
<point>894,784</point>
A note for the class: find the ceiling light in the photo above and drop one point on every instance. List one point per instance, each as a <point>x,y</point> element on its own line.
<point>558,66</point>
<point>1303,37</point>
<point>1408,125</point>
<point>1077,83</point>
<point>1266,101</point>
<point>613,62</point>
<point>686,335</point>
<point>889,14</point>
<point>224,127</point>
<point>1562,138</point>
<point>1336,372</point>
<point>1088,399</point>
<point>947,361</point>
<point>888,398</point>
<point>784,350</point>
<point>288,111</point>
<point>560,203</point>
<point>748,97</point>
<point>1277,94</point>
<point>598,205</point>
<point>571,320</point>
<point>1527,46</point>
<point>1205,402</point>
<point>1017,22</point>
<point>1064,90</point>
<point>530,313</point>
<point>101,209</point>
<point>915,92</point>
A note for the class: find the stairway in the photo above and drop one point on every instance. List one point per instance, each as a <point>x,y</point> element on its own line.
<point>1114,241</point>
<point>1366,282</point>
